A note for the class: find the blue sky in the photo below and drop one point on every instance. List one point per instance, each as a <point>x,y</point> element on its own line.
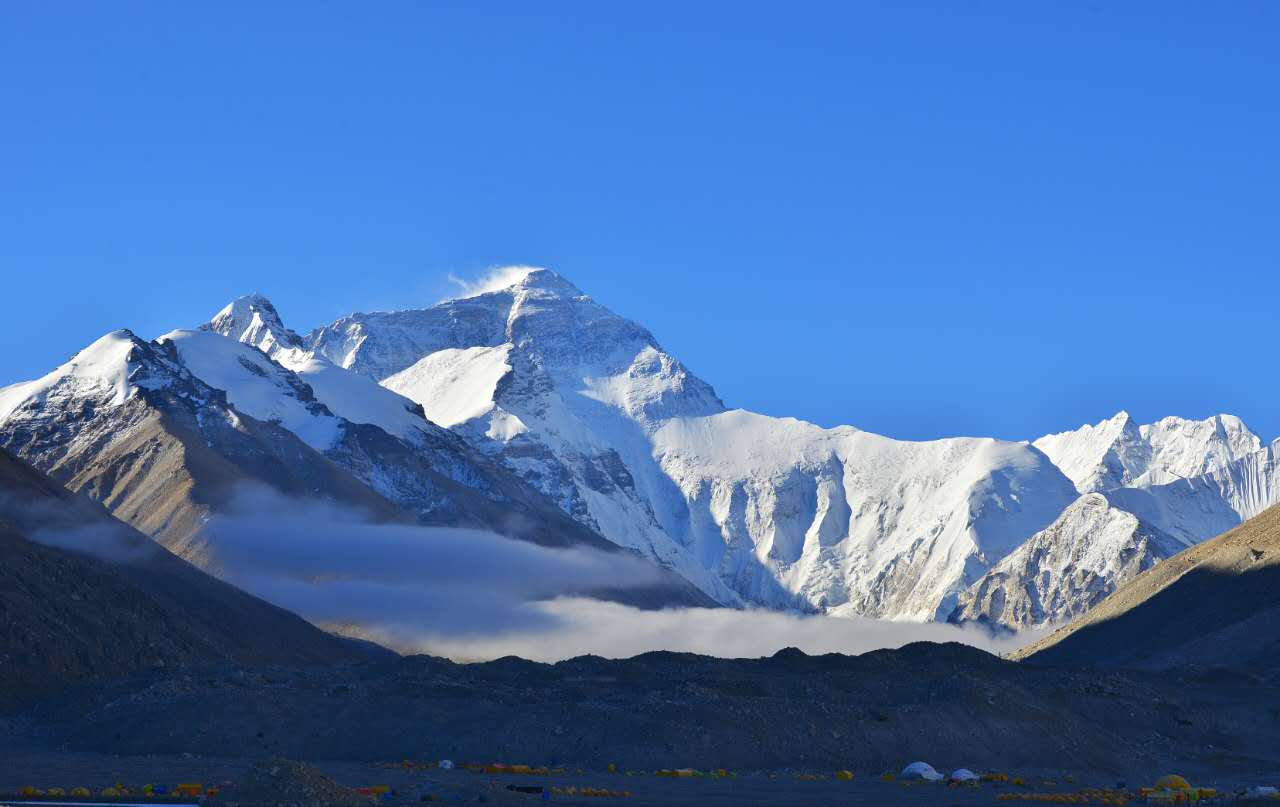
<point>923,219</point>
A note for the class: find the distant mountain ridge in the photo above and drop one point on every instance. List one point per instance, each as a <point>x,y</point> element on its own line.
<point>540,399</point>
<point>588,407</point>
<point>1119,452</point>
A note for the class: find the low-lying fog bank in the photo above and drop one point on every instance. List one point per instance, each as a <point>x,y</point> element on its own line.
<point>475,595</point>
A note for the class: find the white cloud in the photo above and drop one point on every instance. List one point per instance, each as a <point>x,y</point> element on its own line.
<point>331,566</point>
<point>493,280</point>
<point>573,627</point>
<point>472,595</point>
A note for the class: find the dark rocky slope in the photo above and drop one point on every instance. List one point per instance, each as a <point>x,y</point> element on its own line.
<point>130,606</point>
<point>1216,604</point>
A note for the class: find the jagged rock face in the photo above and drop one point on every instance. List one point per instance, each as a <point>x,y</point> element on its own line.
<point>494,368</point>
<point>853,522</point>
<point>1201,507</point>
<point>1109,455</point>
<point>1168,485</point>
<point>397,452</point>
<point>1067,568</point>
<point>555,334</point>
<point>1190,479</point>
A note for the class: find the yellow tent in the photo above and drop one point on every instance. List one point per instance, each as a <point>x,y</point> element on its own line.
<point>1172,781</point>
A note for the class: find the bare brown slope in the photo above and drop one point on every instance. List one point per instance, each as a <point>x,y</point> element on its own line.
<point>66,615</point>
<point>1217,603</point>
<point>162,463</point>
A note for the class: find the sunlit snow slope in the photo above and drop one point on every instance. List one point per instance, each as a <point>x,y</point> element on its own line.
<point>588,407</point>
<point>1192,479</point>
<point>526,398</point>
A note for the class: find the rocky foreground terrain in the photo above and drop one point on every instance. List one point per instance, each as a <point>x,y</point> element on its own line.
<point>950,704</point>
<point>94,599</point>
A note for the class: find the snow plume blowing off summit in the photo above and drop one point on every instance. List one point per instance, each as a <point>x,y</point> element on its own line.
<point>473,595</point>
<point>496,279</point>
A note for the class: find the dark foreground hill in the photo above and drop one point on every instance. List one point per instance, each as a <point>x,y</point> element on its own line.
<point>1216,604</point>
<point>96,599</point>
<point>949,704</point>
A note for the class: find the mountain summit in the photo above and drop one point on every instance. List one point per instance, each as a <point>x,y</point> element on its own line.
<point>523,396</point>
<point>252,319</point>
<point>588,407</point>
<point>1119,452</point>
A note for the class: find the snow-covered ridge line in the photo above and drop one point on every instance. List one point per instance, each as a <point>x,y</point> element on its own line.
<point>173,430</point>
<point>110,369</point>
<point>1118,452</point>
<point>589,408</point>
<point>533,377</point>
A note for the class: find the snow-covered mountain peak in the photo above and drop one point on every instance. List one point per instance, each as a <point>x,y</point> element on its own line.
<point>1183,448</point>
<point>252,319</point>
<point>554,402</point>
<point>1120,453</point>
<point>545,283</point>
<point>587,406</point>
<point>256,385</point>
<point>1099,457</point>
<point>534,334</point>
<point>516,280</point>
<point>108,371</point>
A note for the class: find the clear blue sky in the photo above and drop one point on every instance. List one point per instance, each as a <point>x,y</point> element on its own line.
<point>923,219</point>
